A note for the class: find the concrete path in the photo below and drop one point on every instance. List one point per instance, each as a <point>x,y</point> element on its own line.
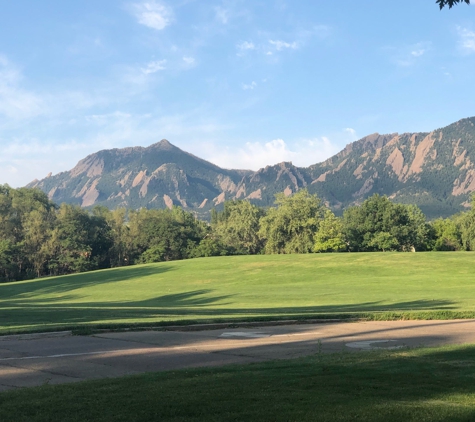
<point>59,358</point>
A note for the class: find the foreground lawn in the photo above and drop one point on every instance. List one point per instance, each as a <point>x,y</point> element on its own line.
<point>406,385</point>
<point>372,285</point>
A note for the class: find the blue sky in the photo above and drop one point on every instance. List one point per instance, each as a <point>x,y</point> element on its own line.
<point>240,83</point>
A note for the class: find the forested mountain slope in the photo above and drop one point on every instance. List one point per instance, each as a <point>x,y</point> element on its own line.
<point>433,170</point>
<point>158,176</point>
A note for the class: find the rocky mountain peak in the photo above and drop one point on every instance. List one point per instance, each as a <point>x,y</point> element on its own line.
<point>164,145</point>
<point>435,170</point>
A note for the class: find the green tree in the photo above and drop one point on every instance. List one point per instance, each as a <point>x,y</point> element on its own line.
<point>79,241</point>
<point>291,226</point>
<point>447,235</point>
<point>6,265</point>
<point>466,225</point>
<point>210,246</point>
<point>38,228</point>
<point>120,254</point>
<point>119,231</point>
<point>164,235</point>
<point>26,219</point>
<point>418,232</point>
<point>378,224</point>
<point>237,227</point>
<point>383,241</point>
<point>330,237</point>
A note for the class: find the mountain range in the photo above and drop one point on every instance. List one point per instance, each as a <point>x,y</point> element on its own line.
<point>435,170</point>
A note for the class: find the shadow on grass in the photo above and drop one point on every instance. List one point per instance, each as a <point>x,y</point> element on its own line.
<point>63,284</point>
<point>408,385</point>
<point>194,305</point>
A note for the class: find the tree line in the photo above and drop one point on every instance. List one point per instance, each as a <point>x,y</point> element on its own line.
<point>40,238</point>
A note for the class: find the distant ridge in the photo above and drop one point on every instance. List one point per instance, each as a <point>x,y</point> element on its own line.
<point>434,170</point>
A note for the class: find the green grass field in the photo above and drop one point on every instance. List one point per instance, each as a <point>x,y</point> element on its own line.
<point>406,385</point>
<point>371,285</point>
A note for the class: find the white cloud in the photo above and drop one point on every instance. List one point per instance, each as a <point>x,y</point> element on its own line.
<point>8,73</point>
<point>35,147</point>
<point>418,53</point>
<point>246,45</point>
<point>15,102</point>
<point>189,61</point>
<point>252,85</point>
<point>222,15</point>
<point>22,161</point>
<point>321,31</point>
<point>409,55</point>
<point>280,45</point>
<point>152,14</point>
<point>269,45</point>
<point>154,67</point>
<point>11,169</point>
<point>256,155</point>
<point>23,109</point>
<point>26,158</point>
<point>102,119</point>
<point>466,40</point>
<point>280,5</point>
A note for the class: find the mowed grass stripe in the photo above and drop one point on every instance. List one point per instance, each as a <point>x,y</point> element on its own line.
<point>410,285</point>
<point>404,385</point>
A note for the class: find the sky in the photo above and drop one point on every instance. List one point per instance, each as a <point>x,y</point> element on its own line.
<point>241,83</point>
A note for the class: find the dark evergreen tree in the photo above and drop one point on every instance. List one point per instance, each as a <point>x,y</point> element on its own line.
<point>450,3</point>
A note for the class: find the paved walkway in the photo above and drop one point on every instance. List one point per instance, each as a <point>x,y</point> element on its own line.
<point>54,359</point>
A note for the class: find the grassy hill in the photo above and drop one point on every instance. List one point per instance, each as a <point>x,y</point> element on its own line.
<point>372,285</point>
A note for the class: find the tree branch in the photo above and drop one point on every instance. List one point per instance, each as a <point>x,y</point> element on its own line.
<point>450,3</point>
